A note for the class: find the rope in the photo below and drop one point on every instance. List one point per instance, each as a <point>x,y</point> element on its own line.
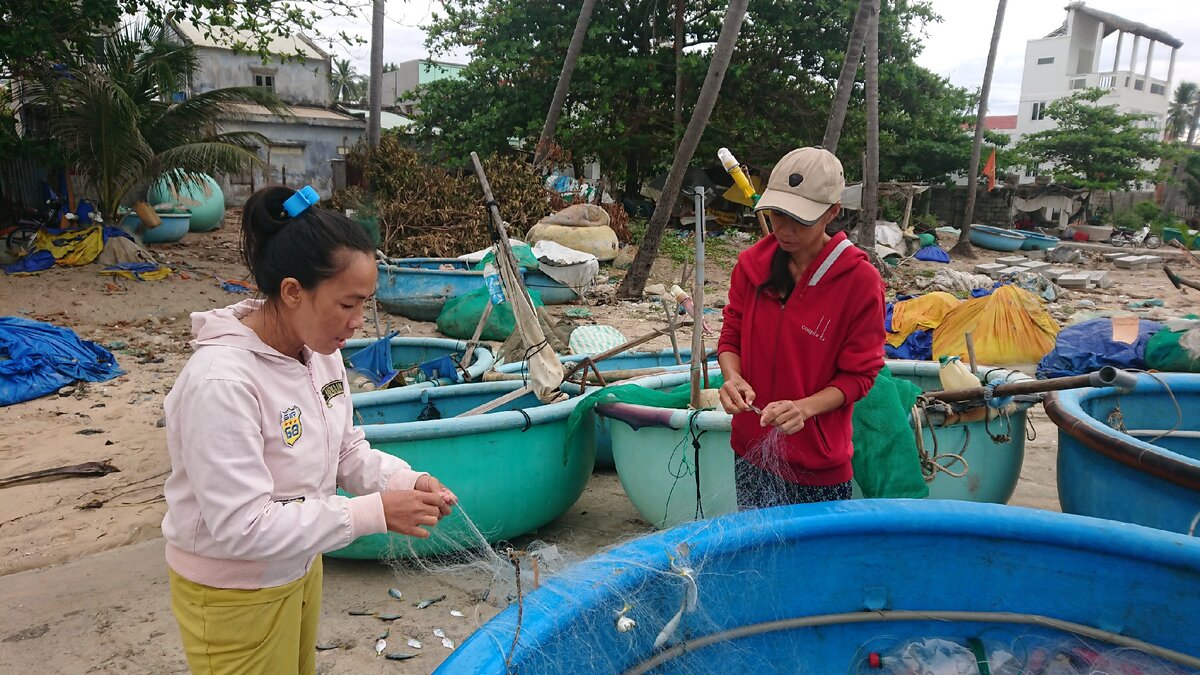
<point>696,460</point>
<point>528,420</point>
<point>930,466</point>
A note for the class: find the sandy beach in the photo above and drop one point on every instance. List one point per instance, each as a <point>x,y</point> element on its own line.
<point>82,576</point>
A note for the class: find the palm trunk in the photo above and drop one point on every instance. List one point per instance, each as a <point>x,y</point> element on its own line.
<point>1179,168</point>
<point>564,82</point>
<point>677,119</point>
<point>841,100</point>
<point>870,205</point>
<point>376,91</point>
<point>963,247</point>
<point>635,282</point>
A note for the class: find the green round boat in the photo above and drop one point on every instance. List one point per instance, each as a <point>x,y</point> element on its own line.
<point>510,467</point>
<point>658,467</point>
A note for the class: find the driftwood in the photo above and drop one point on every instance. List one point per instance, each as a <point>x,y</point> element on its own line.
<point>87,469</point>
<point>1187,255</point>
<point>1179,281</point>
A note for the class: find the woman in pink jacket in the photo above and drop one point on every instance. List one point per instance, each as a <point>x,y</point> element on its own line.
<point>260,431</point>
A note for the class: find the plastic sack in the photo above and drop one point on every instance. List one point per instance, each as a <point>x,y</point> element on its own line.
<point>375,362</point>
<point>923,312</point>
<point>43,358</point>
<point>1010,326</point>
<point>460,315</point>
<point>932,254</point>
<point>1089,346</point>
<point>1175,348</point>
<point>522,252</point>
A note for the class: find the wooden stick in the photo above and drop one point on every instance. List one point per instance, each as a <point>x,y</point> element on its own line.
<point>609,375</point>
<point>1179,281</point>
<point>101,468</point>
<point>762,222</point>
<point>619,348</point>
<point>492,405</point>
<point>671,327</point>
<point>971,353</point>
<point>471,344</point>
<point>1188,255</point>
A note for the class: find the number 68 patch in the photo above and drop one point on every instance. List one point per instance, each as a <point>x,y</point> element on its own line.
<point>290,423</point>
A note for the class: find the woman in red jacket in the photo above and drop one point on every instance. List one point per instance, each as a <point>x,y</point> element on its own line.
<point>802,341</point>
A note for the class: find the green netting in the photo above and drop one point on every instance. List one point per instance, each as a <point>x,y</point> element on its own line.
<point>1163,352</point>
<point>886,462</point>
<point>522,252</point>
<point>460,315</point>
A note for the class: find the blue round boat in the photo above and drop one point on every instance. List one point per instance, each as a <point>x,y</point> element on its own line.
<point>631,360</point>
<point>816,588</point>
<point>1133,457</point>
<point>995,238</point>
<point>408,352</point>
<point>1036,240</point>
<point>417,288</point>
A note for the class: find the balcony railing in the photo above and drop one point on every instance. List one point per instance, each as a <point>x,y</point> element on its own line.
<point>1118,80</point>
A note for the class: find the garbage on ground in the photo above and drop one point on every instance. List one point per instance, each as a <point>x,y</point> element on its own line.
<point>582,227</point>
<point>1034,283</point>
<point>1141,304</point>
<point>1176,348</point>
<point>1011,326</point>
<point>139,271</point>
<point>1064,254</point>
<point>239,287</point>
<point>460,315</point>
<point>38,358</point>
<point>956,282</point>
<point>478,256</point>
<point>578,313</point>
<point>1089,346</point>
<point>910,321</point>
<point>595,339</point>
<point>932,253</point>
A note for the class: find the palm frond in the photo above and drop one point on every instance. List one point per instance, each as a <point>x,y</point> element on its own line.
<point>214,156</point>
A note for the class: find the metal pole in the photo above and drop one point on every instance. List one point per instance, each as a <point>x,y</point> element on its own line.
<point>698,301</point>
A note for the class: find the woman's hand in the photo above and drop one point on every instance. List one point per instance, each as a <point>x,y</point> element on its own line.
<point>409,511</point>
<point>427,483</point>
<point>736,395</point>
<point>788,416</point>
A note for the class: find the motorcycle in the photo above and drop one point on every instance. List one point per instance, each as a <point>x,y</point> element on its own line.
<point>1143,237</point>
<point>20,235</point>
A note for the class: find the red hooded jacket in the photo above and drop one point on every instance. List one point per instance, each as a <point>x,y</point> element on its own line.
<point>828,333</point>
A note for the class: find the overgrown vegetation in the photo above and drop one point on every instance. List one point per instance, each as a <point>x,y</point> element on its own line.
<point>424,210</point>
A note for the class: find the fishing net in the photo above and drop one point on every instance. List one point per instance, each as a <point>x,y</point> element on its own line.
<point>1176,348</point>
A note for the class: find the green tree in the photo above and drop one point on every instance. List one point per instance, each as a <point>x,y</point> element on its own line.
<point>117,124</point>
<point>621,108</point>
<point>36,34</point>
<point>348,86</point>
<point>1179,115</point>
<point>1093,146</point>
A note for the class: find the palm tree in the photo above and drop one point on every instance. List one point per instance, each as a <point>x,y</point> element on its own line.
<point>564,82</point>
<point>1179,115</point>
<point>854,50</point>
<point>125,118</point>
<point>346,83</point>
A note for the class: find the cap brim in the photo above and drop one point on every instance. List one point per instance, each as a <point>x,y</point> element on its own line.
<point>799,208</point>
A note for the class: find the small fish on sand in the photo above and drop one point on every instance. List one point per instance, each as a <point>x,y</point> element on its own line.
<point>400,656</point>
<point>431,601</point>
<point>447,643</point>
<point>326,646</point>
<point>385,634</point>
<point>414,643</point>
<point>395,593</point>
<point>388,617</point>
<point>457,614</point>
<point>438,632</point>
<point>380,645</point>
<point>360,612</point>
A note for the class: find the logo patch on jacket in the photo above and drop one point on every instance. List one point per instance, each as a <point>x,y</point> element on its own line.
<point>290,423</point>
<point>331,391</point>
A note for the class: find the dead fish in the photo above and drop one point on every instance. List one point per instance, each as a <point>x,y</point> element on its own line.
<point>414,643</point>
<point>457,614</point>
<point>438,632</point>
<point>395,593</point>
<point>388,617</point>
<point>432,601</point>
<point>400,656</point>
<point>385,634</point>
<point>380,645</point>
<point>625,624</point>
<point>447,643</point>
<point>360,612</point>
<point>326,646</point>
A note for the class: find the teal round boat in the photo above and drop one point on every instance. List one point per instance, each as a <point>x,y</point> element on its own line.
<point>631,360</point>
<point>409,352</point>
<point>509,467</point>
<point>659,468</point>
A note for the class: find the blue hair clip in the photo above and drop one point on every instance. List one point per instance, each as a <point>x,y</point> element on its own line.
<point>299,202</point>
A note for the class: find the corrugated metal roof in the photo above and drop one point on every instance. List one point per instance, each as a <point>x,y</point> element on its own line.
<point>1000,122</point>
<point>221,37</point>
<point>300,113</point>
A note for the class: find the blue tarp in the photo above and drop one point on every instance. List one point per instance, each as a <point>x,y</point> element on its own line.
<point>375,362</point>
<point>1087,347</point>
<point>918,346</point>
<point>932,254</point>
<point>43,358</point>
<point>34,262</point>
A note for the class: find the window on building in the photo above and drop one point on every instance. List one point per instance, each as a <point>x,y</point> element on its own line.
<point>1140,85</point>
<point>1158,89</point>
<point>1039,111</point>
<point>1079,83</point>
<point>264,81</point>
<point>1108,82</point>
<point>1045,60</point>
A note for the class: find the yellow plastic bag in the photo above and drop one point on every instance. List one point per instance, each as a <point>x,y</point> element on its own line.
<point>72,247</point>
<point>1009,327</point>
<point>926,312</point>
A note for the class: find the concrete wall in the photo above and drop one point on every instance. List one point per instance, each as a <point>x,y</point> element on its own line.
<point>298,155</point>
<point>298,83</point>
<point>947,203</point>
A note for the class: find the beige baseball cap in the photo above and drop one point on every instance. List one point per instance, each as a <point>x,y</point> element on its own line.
<point>804,184</point>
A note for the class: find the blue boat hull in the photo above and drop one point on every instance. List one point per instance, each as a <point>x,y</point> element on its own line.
<point>814,588</point>
<point>1131,477</point>
<point>1033,240</point>
<point>624,361</point>
<point>411,351</point>
<point>417,288</point>
<point>995,238</point>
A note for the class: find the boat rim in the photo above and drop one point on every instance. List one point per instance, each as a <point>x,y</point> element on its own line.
<point>1065,410</point>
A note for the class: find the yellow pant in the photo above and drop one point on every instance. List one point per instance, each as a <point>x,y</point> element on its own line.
<point>249,632</point>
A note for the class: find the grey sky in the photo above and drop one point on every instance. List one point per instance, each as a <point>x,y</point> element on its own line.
<point>957,47</point>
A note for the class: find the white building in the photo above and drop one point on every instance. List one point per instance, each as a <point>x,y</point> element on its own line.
<point>1132,61</point>
<point>409,77</point>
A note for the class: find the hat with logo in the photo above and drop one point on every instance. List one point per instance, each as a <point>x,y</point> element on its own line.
<point>804,184</point>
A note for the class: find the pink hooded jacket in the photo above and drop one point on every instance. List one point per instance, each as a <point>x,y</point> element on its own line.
<point>259,442</point>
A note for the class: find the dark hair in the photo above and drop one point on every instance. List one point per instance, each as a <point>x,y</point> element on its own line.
<point>276,246</point>
<point>779,281</point>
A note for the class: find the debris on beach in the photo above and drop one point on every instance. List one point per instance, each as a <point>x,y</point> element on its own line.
<point>430,602</point>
